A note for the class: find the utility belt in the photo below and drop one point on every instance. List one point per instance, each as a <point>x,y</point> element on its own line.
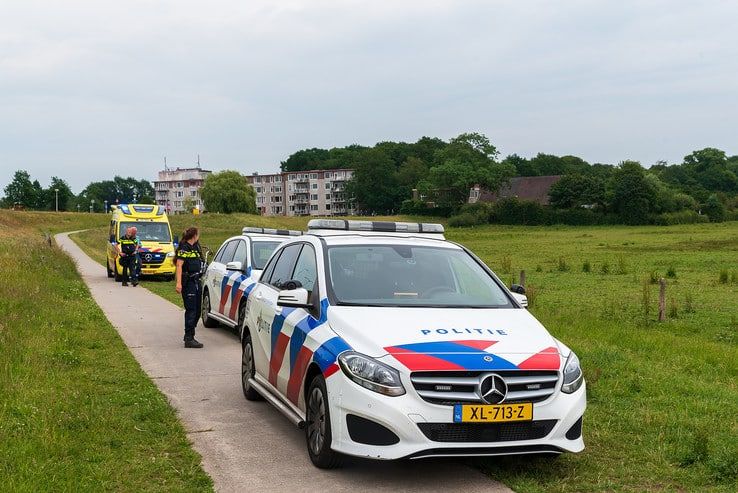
<point>192,277</point>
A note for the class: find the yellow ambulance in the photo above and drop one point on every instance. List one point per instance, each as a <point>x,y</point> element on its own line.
<point>156,252</point>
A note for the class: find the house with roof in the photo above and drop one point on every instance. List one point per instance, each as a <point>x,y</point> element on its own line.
<point>524,188</point>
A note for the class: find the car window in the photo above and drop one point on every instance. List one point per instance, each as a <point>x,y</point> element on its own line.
<point>261,251</point>
<point>402,275</point>
<point>219,255</point>
<point>284,266</point>
<point>228,252</point>
<point>306,270</point>
<point>147,231</point>
<point>240,254</point>
<point>270,268</point>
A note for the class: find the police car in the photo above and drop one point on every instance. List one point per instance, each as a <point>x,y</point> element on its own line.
<point>234,271</point>
<point>384,340</point>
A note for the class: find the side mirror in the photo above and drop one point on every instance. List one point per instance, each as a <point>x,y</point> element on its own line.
<point>234,266</point>
<point>294,298</point>
<point>112,238</point>
<point>517,288</point>
<point>522,299</point>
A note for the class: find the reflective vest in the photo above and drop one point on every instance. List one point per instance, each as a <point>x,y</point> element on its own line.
<point>127,245</point>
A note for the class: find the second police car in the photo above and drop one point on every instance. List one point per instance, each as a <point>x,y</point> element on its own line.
<point>384,340</point>
<point>233,272</point>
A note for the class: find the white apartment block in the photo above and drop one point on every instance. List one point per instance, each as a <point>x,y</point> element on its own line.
<point>175,185</point>
<point>303,193</point>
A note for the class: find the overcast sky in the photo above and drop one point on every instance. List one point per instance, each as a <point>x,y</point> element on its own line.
<point>97,88</point>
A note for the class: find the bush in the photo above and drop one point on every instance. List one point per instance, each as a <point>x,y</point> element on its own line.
<point>419,208</point>
<point>681,217</point>
<point>463,220</point>
<point>514,211</point>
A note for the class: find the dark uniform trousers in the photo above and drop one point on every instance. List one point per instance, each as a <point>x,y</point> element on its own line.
<point>191,288</point>
<point>192,298</point>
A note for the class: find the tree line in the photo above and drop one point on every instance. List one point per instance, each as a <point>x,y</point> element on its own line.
<point>433,176</point>
<point>26,193</point>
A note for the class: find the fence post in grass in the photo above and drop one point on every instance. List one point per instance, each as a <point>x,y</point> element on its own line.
<point>662,299</point>
<point>522,278</point>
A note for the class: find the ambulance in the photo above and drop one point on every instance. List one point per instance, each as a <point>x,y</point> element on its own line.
<point>157,243</point>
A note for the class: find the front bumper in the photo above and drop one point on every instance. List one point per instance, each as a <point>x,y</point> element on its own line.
<point>405,415</point>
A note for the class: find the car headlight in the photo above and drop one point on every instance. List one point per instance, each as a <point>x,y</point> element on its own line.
<point>170,254</point>
<point>573,377</point>
<point>371,374</point>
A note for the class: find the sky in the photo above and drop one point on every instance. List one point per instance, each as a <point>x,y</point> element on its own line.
<point>91,89</point>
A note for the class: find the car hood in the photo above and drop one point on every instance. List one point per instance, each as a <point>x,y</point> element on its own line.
<point>428,339</point>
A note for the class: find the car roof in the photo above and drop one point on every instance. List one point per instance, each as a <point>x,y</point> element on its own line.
<point>260,237</point>
<point>354,238</point>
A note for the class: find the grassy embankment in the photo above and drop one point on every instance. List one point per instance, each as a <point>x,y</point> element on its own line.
<point>76,411</point>
<point>663,397</point>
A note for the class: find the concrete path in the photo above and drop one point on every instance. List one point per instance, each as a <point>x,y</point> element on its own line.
<point>245,446</point>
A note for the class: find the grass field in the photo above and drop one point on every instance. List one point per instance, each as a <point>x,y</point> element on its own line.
<point>76,411</point>
<point>663,396</point>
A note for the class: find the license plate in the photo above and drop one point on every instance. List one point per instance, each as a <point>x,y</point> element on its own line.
<point>148,271</point>
<point>493,413</point>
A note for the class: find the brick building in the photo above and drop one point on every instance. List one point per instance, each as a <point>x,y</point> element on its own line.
<point>175,185</point>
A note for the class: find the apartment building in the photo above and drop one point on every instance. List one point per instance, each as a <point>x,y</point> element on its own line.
<point>304,193</point>
<point>175,185</point>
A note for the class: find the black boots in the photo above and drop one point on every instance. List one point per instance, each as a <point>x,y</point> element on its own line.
<point>192,343</point>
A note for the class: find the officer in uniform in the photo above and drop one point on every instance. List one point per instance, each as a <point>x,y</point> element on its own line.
<point>189,270</point>
<point>128,249</point>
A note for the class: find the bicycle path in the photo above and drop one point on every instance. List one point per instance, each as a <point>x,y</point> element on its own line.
<point>245,446</point>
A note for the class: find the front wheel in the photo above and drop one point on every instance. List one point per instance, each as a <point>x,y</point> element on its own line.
<point>248,369</point>
<point>207,320</point>
<point>318,426</point>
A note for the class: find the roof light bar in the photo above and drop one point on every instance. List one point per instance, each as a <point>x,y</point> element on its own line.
<point>270,231</point>
<point>382,226</point>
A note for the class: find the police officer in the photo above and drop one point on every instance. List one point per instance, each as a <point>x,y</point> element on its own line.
<point>189,269</point>
<point>128,250</point>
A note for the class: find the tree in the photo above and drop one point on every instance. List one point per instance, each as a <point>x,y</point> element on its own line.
<point>468,159</point>
<point>189,203</point>
<point>409,174</point>
<point>58,188</point>
<point>119,190</point>
<point>576,191</point>
<point>374,184</point>
<point>228,191</point>
<point>714,209</point>
<point>21,191</point>
<point>633,195</point>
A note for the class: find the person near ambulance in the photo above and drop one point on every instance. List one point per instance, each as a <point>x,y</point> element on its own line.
<point>189,270</point>
<point>128,246</point>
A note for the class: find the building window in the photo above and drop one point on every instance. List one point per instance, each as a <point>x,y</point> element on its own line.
<point>179,184</point>
<point>327,207</point>
<point>313,176</point>
<point>314,207</point>
<point>291,177</point>
<point>277,189</point>
<point>258,189</point>
<point>278,179</point>
<point>193,193</point>
<point>327,185</point>
<point>314,196</point>
<point>327,196</point>
<point>315,186</point>
<point>292,208</point>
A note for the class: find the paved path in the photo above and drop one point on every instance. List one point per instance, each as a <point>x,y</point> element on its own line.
<point>245,446</point>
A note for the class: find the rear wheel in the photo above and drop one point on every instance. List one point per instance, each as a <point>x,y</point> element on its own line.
<point>207,320</point>
<point>248,369</point>
<point>318,426</point>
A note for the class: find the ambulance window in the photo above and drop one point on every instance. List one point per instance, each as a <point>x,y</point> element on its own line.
<point>240,255</point>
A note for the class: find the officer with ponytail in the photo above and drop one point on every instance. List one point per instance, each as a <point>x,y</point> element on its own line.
<point>189,270</point>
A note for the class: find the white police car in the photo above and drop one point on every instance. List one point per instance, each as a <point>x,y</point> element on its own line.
<point>233,272</point>
<point>384,340</point>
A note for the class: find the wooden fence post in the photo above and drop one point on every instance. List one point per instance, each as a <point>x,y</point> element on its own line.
<point>662,299</point>
<point>522,278</point>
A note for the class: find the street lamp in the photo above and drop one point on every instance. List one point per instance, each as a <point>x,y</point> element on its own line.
<point>56,193</point>
<point>77,207</point>
<point>106,206</point>
<point>92,205</point>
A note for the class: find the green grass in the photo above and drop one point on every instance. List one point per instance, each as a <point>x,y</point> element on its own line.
<point>663,397</point>
<point>77,413</point>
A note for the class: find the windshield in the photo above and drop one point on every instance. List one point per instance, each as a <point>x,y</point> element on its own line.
<point>148,231</point>
<point>261,251</point>
<point>403,275</point>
